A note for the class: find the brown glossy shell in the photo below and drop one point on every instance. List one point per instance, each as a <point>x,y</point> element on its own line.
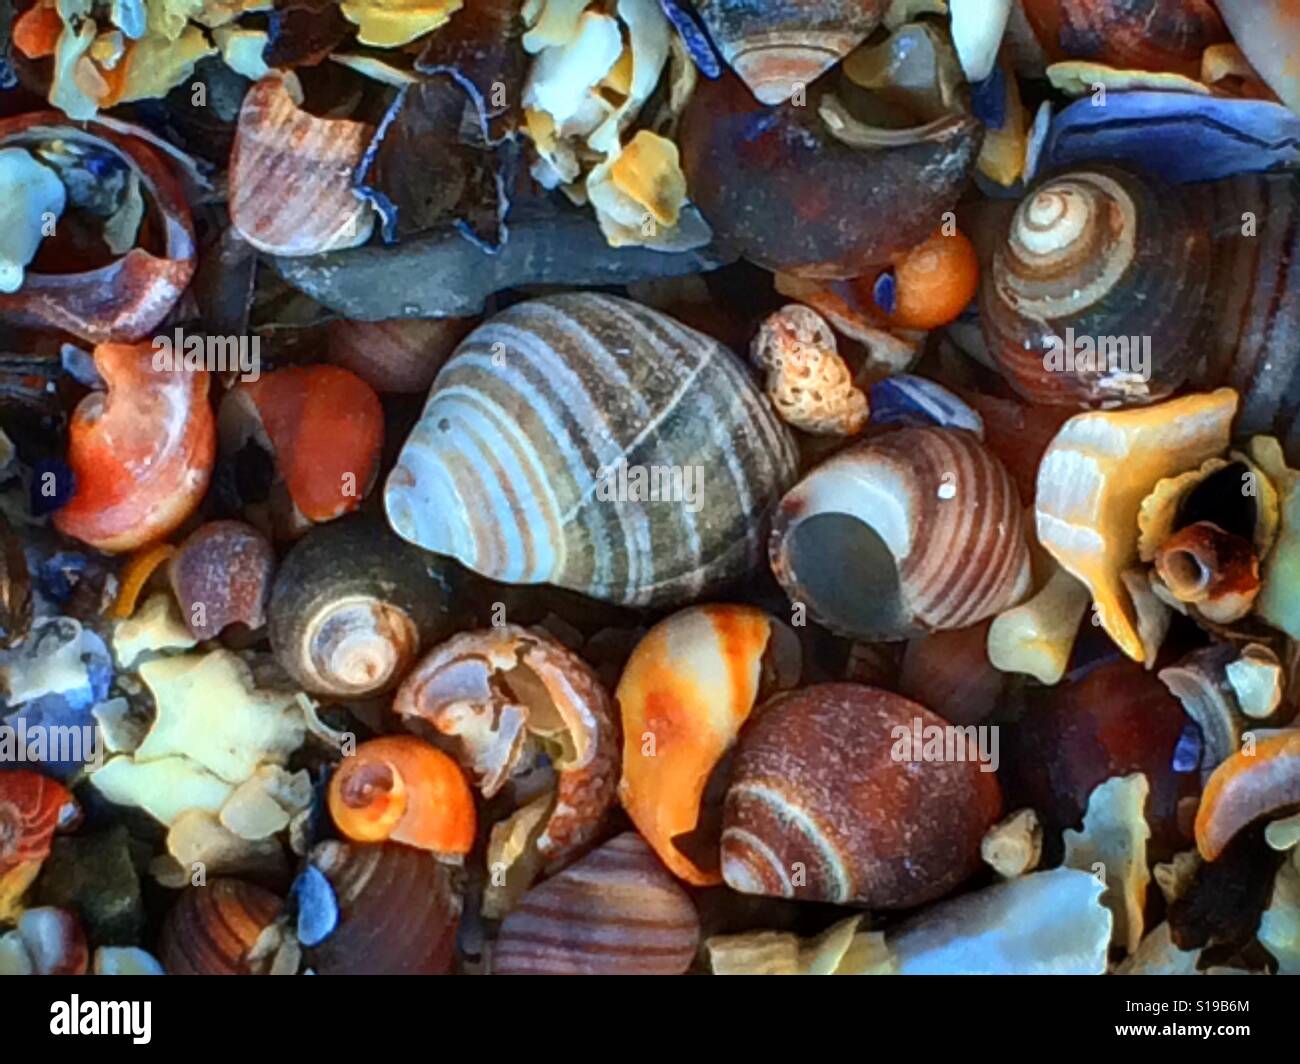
<point>1096,256</point>
<point>615,912</point>
<point>225,567</point>
<point>398,911</point>
<point>919,530</point>
<point>211,929</point>
<point>401,356</point>
<point>819,809</point>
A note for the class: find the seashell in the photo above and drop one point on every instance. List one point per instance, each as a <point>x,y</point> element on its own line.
<point>1257,680</point>
<point>125,300</point>
<point>370,885</point>
<point>840,950</point>
<point>1269,35</point>
<point>1113,720</point>
<point>502,692</point>
<point>15,588</point>
<point>32,808</point>
<point>47,941</point>
<point>324,427</point>
<point>1092,481</point>
<point>808,383</point>
<point>211,930</point>
<point>1048,923</point>
<point>386,25</point>
<point>1277,603</point>
<point>1252,783</point>
<point>906,399</point>
<point>352,605</point>
<point>870,503</point>
<point>1151,131</point>
<point>1200,683</point>
<point>615,912</point>
<point>285,156</point>
<point>126,960</point>
<point>1014,846</point>
<point>826,805</point>
<point>818,164</point>
<point>33,193</point>
<point>1143,34</point>
<point>950,672</point>
<point>135,574</point>
<point>221,575</point>
<point>977,29</point>
<point>1006,146</point>
<point>1084,78</point>
<point>1158,518</point>
<point>1211,569</point>
<point>401,356</point>
<point>1037,637</point>
<point>686,690</point>
<point>140,454</point>
<point>1153,614</point>
<point>519,465</point>
<point>400,788</point>
<point>780,49</point>
<point>1086,258</point>
<point>927,285</point>
<point>1279,926</point>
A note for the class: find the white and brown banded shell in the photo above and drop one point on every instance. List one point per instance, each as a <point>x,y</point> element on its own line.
<point>615,912</point>
<point>918,531</point>
<point>291,176</point>
<point>514,466</point>
<point>778,48</point>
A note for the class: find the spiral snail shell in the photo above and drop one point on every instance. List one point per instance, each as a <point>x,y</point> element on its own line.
<point>554,433</point>
<point>351,606</point>
<point>1096,262</point>
<point>920,530</point>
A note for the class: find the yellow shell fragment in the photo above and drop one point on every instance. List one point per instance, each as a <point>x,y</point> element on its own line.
<point>1093,478</point>
<point>1153,613</point>
<point>841,949</point>
<point>649,171</point>
<point>389,23</point>
<point>1080,78</point>
<point>155,66</point>
<point>1002,155</point>
<point>1114,837</point>
<point>1037,636</point>
<point>1279,596</point>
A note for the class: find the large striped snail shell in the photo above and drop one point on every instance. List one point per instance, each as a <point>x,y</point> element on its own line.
<point>1101,257</point>
<point>920,530</point>
<point>615,912</point>
<point>776,48</point>
<point>513,464</point>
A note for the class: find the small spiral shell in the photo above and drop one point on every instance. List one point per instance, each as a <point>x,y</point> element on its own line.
<point>1094,294</point>
<point>615,912</point>
<point>584,441</point>
<point>920,530</point>
<point>212,929</point>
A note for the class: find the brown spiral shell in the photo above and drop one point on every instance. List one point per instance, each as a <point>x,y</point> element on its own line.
<point>919,530</point>
<point>398,911</point>
<point>212,928</point>
<point>615,912</point>
<point>820,809</point>
<point>1103,256</point>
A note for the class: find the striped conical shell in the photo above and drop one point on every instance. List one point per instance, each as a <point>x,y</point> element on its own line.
<point>615,912</point>
<point>513,466</point>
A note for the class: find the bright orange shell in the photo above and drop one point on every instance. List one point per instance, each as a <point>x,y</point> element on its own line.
<point>135,574</point>
<point>934,282</point>
<point>402,789</point>
<point>1247,786</point>
<point>686,690</point>
<point>36,31</point>
<point>326,427</point>
<point>141,454</point>
<point>32,806</point>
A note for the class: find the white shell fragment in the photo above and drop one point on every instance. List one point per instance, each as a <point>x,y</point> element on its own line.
<point>1257,679</point>
<point>31,198</point>
<point>977,29</point>
<point>1014,846</point>
<point>1279,928</point>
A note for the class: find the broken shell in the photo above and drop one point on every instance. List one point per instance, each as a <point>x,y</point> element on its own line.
<point>402,356</point>
<point>868,539</point>
<point>291,176</point>
<point>1277,603</point>
<point>1213,570</point>
<point>807,381</point>
<point>906,399</point>
<point>54,941</point>
<point>221,575</point>
<point>615,912</point>
<point>780,49</point>
<point>542,453</point>
<point>502,692</point>
<point>32,808</point>
<point>135,574</point>
<point>1038,636</point>
<point>1200,683</point>
<point>323,425</point>
<point>977,29</point>
<point>402,789</point>
<point>397,912</point>
<point>352,605</point>
<point>1014,846</point>
<point>1092,481</point>
<point>1258,680</point>
<point>212,929</point>
<point>1093,257</point>
<point>1252,783</point>
<point>141,454</point>
<point>831,801</point>
<point>686,691</point>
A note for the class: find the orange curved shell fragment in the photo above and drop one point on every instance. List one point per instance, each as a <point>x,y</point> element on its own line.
<point>141,453</point>
<point>1247,786</point>
<point>401,789</point>
<point>687,688</point>
<point>326,427</point>
<point>136,573</point>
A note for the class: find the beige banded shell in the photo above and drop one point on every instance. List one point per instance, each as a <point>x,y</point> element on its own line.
<point>522,464</point>
<point>920,530</point>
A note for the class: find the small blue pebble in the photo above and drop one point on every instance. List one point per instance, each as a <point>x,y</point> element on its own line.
<point>885,292</point>
<point>989,99</point>
<point>1187,753</point>
<point>52,486</point>
<point>318,907</point>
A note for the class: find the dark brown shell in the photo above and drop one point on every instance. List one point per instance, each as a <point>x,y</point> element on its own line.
<point>402,355</point>
<point>819,808</point>
<point>15,588</point>
<point>398,911</point>
<point>225,567</point>
<point>211,929</point>
<point>616,912</point>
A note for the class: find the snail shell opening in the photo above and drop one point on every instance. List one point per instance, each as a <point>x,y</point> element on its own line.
<point>358,645</point>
